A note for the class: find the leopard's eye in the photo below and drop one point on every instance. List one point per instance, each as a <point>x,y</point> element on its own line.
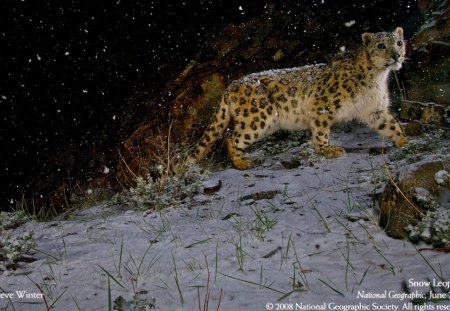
<point>399,43</point>
<point>381,46</point>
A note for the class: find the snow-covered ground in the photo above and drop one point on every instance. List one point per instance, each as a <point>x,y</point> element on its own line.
<point>271,238</point>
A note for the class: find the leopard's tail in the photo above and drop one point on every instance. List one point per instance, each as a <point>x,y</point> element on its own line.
<point>214,131</point>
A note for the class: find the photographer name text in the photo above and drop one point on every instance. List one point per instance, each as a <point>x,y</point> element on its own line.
<point>21,294</point>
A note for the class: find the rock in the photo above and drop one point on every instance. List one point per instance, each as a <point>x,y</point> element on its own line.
<point>195,101</point>
<point>407,202</point>
<point>230,39</point>
<point>356,216</point>
<point>428,113</point>
<point>428,72</point>
<point>143,145</point>
<point>211,186</point>
<point>263,195</point>
<point>247,202</point>
<point>413,128</point>
<point>278,55</point>
<point>291,164</point>
<point>192,98</point>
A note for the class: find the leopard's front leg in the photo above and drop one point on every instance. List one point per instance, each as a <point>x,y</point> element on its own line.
<point>320,129</point>
<point>385,124</point>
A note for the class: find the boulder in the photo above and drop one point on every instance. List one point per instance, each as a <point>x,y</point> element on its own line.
<point>406,202</point>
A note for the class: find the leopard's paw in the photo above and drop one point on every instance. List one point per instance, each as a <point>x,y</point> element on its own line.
<point>400,141</point>
<point>243,163</point>
<point>332,151</point>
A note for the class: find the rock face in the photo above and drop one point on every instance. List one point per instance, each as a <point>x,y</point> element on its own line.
<point>407,202</point>
<point>428,76</point>
<point>191,98</point>
<point>428,113</point>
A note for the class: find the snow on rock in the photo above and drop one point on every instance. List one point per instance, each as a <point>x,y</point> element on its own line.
<point>312,239</point>
<point>442,178</point>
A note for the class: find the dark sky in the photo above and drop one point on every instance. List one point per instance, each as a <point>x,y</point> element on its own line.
<point>67,69</point>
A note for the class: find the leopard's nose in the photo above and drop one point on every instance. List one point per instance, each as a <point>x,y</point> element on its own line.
<point>396,57</point>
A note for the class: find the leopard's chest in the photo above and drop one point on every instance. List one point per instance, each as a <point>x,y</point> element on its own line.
<point>364,102</point>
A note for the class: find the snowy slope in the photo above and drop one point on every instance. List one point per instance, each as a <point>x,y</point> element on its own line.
<point>270,239</point>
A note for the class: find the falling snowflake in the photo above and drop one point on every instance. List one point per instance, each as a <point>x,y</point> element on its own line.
<point>350,23</point>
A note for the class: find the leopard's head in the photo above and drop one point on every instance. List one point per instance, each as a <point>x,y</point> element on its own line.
<point>385,50</point>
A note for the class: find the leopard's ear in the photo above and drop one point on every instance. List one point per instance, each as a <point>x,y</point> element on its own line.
<point>366,37</point>
<point>399,32</point>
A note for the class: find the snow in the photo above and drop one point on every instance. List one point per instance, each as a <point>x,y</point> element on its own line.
<point>442,177</point>
<point>273,73</point>
<point>270,237</point>
<point>350,23</point>
<point>106,170</point>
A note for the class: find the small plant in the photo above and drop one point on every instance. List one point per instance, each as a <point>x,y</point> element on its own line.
<point>134,271</point>
<point>282,141</point>
<point>170,177</point>
<point>205,305</point>
<point>11,220</point>
<point>161,189</point>
<point>434,228</point>
<point>322,219</point>
<point>29,210</point>
<point>417,148</point>
<point>12,249</point>
<point>301,272</point>
<point>262,223</point>
<point>140,301</point>
<point>379,179</point>
<point>177,279</point>
<point>307,155</point>
<point>240,253</point>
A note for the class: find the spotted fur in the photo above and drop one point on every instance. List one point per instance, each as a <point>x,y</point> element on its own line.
<point>311,97</point>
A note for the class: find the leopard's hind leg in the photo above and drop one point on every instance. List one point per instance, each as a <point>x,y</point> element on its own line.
<point>213,132</point>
